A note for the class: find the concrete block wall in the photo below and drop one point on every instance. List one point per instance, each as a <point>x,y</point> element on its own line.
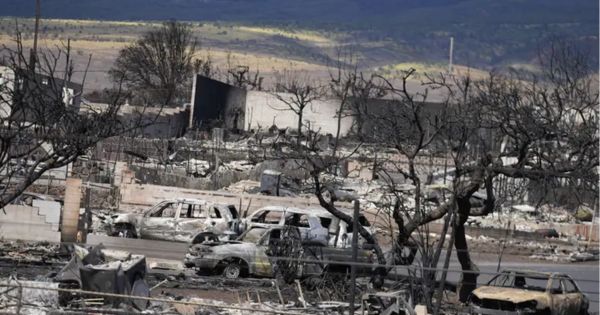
<point>27,224</point>
<point>50,210</point>
<point>70,217</point>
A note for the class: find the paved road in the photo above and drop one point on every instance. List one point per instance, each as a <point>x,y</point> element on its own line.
<point>586,275</point>
<point>149,248</point>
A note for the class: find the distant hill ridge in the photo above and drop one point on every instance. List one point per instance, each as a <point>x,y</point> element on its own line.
<point>488,32</point>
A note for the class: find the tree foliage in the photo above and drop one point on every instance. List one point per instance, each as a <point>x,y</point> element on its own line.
<point>158,65</point>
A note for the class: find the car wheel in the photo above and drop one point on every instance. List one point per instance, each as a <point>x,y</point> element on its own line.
<point>232,270</point>
<point>126,232</point>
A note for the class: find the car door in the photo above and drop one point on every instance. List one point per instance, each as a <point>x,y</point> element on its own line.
<point>218,218</point>
<point>191,220</point>
<point>574,296</point>
<point>263,264</point>
<point>299,220</point>
<point>159,224</point>
<point>559,305</point>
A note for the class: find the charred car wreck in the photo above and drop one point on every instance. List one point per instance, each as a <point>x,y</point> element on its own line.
<point>179,220</point>
<point>529,292</point>
<point>263,252</point>
<point>316,224</point>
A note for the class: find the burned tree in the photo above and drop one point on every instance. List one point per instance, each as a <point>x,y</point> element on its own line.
<point>297,94</point>
<point>160,63</point>
<point>42,128</point>
<point>540,129</point>
<point>243,77</point>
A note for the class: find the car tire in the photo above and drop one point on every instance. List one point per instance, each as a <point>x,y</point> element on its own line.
<point>125,232</point>
<point>232,270</point>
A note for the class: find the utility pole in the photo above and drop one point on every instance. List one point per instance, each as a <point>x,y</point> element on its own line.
<point>67,77</point>
<point>354,255</point>
<point>33,56</point>
<point>451,55</point>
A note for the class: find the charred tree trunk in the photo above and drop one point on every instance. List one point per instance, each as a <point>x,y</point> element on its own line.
<point>330,207</point>
<point>299,139</point>
<point>470,271</point>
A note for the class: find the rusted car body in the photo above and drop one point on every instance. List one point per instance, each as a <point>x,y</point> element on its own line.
<point>178,220</point>
<point>529,292</point>
<point>251,255</point>
<point>337,232</point>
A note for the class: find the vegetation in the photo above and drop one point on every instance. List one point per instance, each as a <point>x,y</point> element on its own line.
<point>541,130</point>
<point>488,33</point>
<point>159,64</point>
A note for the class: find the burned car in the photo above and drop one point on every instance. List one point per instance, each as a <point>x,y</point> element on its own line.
<point>258,252</point>
<point>179,220</point>
<point>331,229</point>
<point>529,292</point>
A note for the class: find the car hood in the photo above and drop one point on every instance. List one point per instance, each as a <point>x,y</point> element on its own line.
<point>132,218</point>
<point>513,295</point>
<point>225,247</point>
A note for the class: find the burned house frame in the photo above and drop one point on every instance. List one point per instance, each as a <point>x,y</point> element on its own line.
<point>26,97</point>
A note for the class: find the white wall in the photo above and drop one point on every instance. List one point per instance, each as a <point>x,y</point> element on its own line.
<point>29,223</point>
<point>264,109</point>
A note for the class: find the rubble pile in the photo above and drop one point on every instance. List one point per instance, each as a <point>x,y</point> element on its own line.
<point>243,187</point>
<point>524,218</point>
<point>28,297</point>
<point>34,252</point>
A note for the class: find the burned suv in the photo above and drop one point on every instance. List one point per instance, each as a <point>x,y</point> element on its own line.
<point>265,251</point>
<point>529,292</point>
<point>179,220</point>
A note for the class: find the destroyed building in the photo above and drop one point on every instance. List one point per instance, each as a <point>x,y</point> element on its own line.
<point>41,85</point>
<point>237,108</point>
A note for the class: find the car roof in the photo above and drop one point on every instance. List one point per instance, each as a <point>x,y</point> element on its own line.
<point>535,273</point>
<point>320,212</point>
<point>195,201</point>
<point>314,211</point>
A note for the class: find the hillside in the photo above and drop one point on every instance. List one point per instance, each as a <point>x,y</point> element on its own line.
<point>488,33</point>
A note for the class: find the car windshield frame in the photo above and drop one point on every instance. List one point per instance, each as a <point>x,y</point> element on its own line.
<point>242,238</point>
<point>518,280</point>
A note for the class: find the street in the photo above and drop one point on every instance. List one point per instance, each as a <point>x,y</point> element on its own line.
<point>585,274</point>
